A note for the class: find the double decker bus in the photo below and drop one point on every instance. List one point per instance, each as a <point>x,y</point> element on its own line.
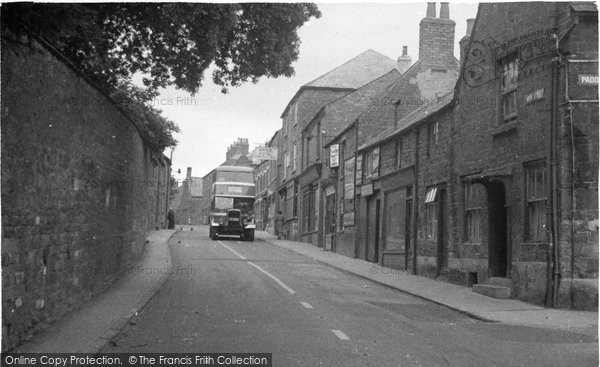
<point>232,203</point>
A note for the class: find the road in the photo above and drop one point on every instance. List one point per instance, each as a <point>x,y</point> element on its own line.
<point>232,296</point>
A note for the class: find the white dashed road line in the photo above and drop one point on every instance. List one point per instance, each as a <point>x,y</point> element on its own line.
<point>232,250</point>
<point>307,305</point>
<point>282,284</point>
<point>340,334</point>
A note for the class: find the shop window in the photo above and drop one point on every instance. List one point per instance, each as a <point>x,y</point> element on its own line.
<point>431,215</point>
<point>536,194</point>
<point>474,201</point>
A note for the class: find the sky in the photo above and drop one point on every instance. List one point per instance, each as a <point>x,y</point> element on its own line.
<point>211,121</point>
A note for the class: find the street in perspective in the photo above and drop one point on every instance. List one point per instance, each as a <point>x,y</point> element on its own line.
<point>299,184</point>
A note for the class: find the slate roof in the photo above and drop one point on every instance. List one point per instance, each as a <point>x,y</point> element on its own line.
<point>342,112</point>
<point>356,72</point>
<point>584,7</point>
<point>410,119</point>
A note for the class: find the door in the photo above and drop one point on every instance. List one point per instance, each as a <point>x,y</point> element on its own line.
<point>407,232</point>
<point>498,228</point>
<point>372,248</point>
<point>442,252</point>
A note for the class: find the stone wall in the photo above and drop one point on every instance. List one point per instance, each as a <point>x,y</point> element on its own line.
<point>79,189</point>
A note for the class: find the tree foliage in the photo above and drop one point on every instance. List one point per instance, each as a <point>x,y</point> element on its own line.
<point>169,43</point>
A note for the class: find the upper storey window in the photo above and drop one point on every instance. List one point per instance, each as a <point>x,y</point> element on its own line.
<point>510,82</point>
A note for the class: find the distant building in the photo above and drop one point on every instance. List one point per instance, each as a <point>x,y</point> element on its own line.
<point>303,107</point>
<point>265,176</point>
<point>190,202</point>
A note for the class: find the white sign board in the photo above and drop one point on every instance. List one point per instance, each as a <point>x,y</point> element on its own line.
<point>334,155</point>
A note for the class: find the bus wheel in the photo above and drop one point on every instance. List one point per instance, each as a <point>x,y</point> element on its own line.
<point>213,234</point>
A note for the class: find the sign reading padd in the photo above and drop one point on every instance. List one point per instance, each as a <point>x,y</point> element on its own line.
<point>334,155</point>
<point>587,79</point>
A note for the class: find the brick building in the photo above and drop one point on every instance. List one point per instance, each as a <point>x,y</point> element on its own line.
<point>525,163</point>
<point>355,210</point>
<point>302,108</point>
<point>266,181</point>
<point>330,120</point>
<point>495,184</point>
<point>189,208</point>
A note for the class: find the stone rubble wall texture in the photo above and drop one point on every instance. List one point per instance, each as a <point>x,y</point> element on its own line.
<point>79,190</point>
<point>482,142</point>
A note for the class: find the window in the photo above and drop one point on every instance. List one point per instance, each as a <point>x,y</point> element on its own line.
<point>295,209</point>
<point>431,215</point>
<point>510,82</point>
<point>375,169</point>
<point>431,210</point>
<point>319,143</point>
<point>368,164</point>
<point>474,201</point>
<point>398,153</point>
<point>432,136</point>
<point>295,109</point>
<point>294,157</point>
<point>290,203</point>
<point>535,212</point>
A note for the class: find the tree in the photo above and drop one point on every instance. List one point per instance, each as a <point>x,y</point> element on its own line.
<point>169,43</point>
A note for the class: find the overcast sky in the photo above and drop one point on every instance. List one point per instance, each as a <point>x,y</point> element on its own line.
<point>211,121</point>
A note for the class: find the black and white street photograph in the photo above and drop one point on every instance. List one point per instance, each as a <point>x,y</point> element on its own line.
<point>281,184</point>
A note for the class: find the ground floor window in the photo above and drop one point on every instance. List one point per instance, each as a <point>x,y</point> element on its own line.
<point>431,212</point>
<point>536,194</point>
<point>474,195</point>
<point>431,215</point>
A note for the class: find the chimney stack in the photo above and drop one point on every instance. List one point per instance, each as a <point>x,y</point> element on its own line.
<point>465,40</point>
<point>189,173</point>
<point>404,61</point>
<point>436,38</point>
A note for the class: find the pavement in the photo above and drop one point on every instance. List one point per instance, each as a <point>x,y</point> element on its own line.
<point>456,297</point>
<point>90,328</point>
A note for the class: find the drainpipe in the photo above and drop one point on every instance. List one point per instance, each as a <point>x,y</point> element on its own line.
<point>415,202</point>
<point>553,184</point>
<point>356,223</point>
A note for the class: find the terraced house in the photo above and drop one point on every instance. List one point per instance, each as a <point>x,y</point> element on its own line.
<point>482,172</point>
<point>354,224</point>
<point>494,185</point>
<point>301,109</point>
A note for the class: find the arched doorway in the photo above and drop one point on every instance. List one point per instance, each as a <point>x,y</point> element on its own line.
<point>498,229</point>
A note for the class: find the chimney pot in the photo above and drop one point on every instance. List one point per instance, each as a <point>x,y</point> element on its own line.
<point>404,61</point>
<point>430,10</point>
<point>444,11</point>
<point>470,23</point>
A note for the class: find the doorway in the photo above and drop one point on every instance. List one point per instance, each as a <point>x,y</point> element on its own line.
<point>498,229</point>
<point>442,253</point>
<point>373,223</point>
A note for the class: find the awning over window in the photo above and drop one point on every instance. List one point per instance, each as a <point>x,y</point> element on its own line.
<point>431,193</point>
